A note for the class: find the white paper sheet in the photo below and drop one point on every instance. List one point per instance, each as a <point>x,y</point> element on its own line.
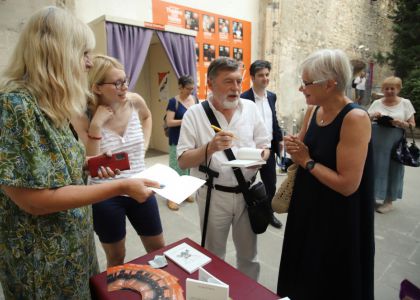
<point>174,187</point>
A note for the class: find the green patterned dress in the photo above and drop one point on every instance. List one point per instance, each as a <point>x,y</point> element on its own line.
<point>50,256</point>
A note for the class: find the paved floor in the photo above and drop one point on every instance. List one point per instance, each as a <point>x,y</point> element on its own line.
<point>397,236</point>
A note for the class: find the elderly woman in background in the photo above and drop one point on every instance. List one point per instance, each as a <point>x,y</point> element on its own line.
<point>389,174</point>
<point>328,249</point>
<point>47,249</point>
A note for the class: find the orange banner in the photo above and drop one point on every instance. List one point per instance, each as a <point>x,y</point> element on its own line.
<point>217,35</point>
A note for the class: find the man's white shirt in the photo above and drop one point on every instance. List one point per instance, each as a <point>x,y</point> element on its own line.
<point>246,124</point>
<point>265,111</point>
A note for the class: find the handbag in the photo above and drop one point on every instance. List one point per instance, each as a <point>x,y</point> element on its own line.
<point>258,208</point>
<point>385,121</point>
<point>165,123</point>
<point>408,290</point>
<point>404,154</point>
<point>256,199</point>
<point>353,83</point>
<point>281,200</point>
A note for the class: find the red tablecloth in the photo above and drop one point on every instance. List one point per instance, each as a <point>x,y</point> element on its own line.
<point>241,287</point>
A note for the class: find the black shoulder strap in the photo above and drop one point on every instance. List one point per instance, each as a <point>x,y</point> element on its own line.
<point>176,104</point>
<point>76,136</point>
<point>229,154</point>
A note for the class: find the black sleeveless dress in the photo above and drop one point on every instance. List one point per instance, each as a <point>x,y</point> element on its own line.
<point>328,248</point>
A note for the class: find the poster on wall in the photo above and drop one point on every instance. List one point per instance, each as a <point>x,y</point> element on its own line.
<point>163,86</point>
<point>209,53</point>
<point>238,54</point>
<point>223,29</point>
<point>197,52</point>
<point>224,51</point>
<point>217,36</point>
<point>191,20</point>
<point>208,24</point>
<point>237,30</point>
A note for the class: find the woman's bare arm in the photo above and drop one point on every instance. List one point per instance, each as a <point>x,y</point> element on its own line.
<point>170,119</point>
<point>351,154</point>
<point>46,201</point>
<point>145,116</point>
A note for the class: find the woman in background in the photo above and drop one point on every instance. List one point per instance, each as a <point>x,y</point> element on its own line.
<point>328,248</point>
<point>119,121</point>
<point>389,174</point>
<point>47,248</point>
<point>175,111</point>
<point>360,82</point>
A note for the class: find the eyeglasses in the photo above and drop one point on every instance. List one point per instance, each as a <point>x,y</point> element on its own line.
<point>304,84</point>
<point>188,88</point>
<point>119,84</point>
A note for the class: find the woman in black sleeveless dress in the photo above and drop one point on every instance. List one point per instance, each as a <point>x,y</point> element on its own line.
<point>328,249</point>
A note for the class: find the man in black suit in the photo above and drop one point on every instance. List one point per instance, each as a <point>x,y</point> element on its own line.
<point>265,101</point>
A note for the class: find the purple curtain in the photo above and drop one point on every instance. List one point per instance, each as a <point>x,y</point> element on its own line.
<point>129,44</point>
<point>181,52</point>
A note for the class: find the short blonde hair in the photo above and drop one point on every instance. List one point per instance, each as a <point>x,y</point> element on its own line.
<point>328,64</point>
<point>48,60</point>
<point>392,80</point>
<point>102,64</point>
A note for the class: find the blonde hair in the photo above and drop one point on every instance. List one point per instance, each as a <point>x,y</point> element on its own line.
<point>48,61</point>
<point>328,64</point>
<point>392,80</point>
<point>102,64</point>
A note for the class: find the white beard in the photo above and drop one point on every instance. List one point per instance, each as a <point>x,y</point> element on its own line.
<point>230,104</point>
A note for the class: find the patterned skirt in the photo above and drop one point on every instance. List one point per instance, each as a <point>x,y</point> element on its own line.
<point>173,161</point>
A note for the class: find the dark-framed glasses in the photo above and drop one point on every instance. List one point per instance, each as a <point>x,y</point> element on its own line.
<point>304,84</point>
<point>119,84</point>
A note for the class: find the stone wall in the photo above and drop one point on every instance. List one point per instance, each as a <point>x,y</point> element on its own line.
<point>13,15</point>
<point>288,30</point>
<point>294,29</point>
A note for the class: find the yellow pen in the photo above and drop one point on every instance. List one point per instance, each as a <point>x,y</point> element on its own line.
<point>218,129</point>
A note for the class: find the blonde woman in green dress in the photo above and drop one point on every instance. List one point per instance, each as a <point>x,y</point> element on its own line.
<point>47,248</point>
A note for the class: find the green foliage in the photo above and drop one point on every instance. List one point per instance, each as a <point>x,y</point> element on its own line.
<point>381,58</point>
<point>411,90</point>
<point>405,55</point>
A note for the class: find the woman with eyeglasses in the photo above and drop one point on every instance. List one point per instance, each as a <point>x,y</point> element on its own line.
<point>47,248</point>
<point>328,248</point>
<point>119,121</point>
<point>177,107</point>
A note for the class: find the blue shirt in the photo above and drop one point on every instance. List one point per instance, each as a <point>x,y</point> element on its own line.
<point>179,110</point>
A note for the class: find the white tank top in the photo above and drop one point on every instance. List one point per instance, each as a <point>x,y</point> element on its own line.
<point>132,142</point>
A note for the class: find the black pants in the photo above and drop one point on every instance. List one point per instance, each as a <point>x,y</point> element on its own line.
<point>269,176</point>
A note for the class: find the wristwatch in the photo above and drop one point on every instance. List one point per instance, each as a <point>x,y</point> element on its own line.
<point>310,165</point>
